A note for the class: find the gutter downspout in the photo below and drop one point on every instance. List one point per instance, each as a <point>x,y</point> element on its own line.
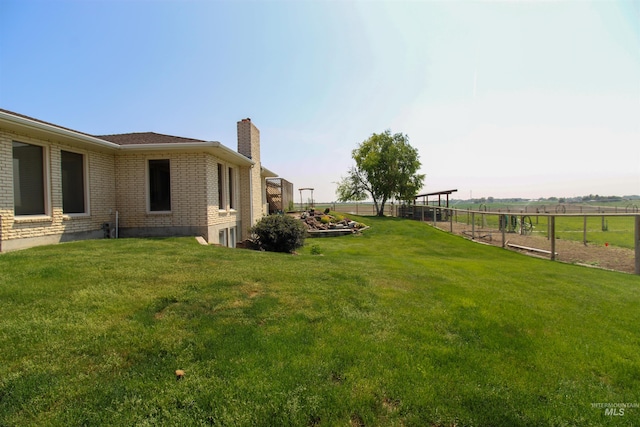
<point>250,197</point>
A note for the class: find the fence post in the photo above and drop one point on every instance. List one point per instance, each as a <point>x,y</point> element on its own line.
<point>548,227</point>
<point>473,226</point>
<point>552,236</point>
<point>434,217</point>
<point>584,234</point>
<point>637,243</point>
<point>502,220</point>
<point>450,221</point>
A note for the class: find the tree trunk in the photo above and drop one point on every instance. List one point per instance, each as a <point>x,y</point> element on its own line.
<point>381,210</point>
<point>375,205</point>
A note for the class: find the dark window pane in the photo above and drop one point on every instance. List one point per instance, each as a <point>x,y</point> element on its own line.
<point>28,179</point>
<point>221,204</point>
<point>159,185</point>
<point>232,204</point>
<point>72,182</point>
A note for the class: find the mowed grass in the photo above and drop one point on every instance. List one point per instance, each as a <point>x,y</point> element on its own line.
<point>403,325</point>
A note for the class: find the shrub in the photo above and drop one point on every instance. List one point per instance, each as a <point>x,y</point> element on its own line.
<point>326,219</point>
<point>279,233</point>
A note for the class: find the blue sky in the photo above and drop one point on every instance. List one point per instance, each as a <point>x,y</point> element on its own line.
<point>504,99</point>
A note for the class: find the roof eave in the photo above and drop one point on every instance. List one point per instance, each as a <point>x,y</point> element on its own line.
<point>213,147</point>
<point>266,173</point>
<point>22,124</point>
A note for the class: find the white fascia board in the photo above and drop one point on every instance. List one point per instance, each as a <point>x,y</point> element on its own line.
<point>21,123</point>
<point>266,173</point>
<point>213,147</point>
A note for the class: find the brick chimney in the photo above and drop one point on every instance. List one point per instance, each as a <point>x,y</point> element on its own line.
<point>252,189</point>
<point>249,140</point>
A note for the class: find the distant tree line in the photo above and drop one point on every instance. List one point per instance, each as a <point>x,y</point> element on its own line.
<point>578,199</point>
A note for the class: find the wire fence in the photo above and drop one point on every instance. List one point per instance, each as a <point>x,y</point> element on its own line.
<point>599,236</point>
<point>602,239</point>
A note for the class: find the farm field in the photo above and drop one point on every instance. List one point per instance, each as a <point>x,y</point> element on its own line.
<point>402,325</point>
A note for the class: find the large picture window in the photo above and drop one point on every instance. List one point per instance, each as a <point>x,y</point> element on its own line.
<point>159,185</point>
<point>73,185</point>
<point>28,179</point>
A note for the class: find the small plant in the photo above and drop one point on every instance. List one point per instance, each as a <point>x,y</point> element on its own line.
<point>326,211</point>
<point>279,233</point>
<point>315,250</point>
<point>325,219</point>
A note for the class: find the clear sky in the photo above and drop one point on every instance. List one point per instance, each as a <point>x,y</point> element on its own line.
<point>504,99</point>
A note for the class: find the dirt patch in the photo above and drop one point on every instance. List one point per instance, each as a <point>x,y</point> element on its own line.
<point>607,257</point>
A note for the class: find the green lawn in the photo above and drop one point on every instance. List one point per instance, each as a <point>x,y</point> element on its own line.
<point>404,325</point>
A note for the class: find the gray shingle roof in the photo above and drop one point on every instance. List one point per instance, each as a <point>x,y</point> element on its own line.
<point>145,138</point>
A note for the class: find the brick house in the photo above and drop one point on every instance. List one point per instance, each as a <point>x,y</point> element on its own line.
<point>58,184</point>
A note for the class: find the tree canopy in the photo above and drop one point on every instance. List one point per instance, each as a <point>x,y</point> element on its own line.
<point>386,167</point>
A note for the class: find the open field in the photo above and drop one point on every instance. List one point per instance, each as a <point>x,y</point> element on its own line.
<point>404,325</point>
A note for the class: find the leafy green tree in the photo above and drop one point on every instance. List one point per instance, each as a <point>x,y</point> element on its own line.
<point>386,167</point>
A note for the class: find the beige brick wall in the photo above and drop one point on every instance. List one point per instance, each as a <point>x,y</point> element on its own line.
<point>225,218</point>
<point>188,191</point>
<point>25,231</point>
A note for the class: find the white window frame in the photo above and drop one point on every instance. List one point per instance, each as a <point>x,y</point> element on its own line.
<point>223,237</point>
<point>46,178</point>
<point>233,236</point>
<point>85,177</point>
